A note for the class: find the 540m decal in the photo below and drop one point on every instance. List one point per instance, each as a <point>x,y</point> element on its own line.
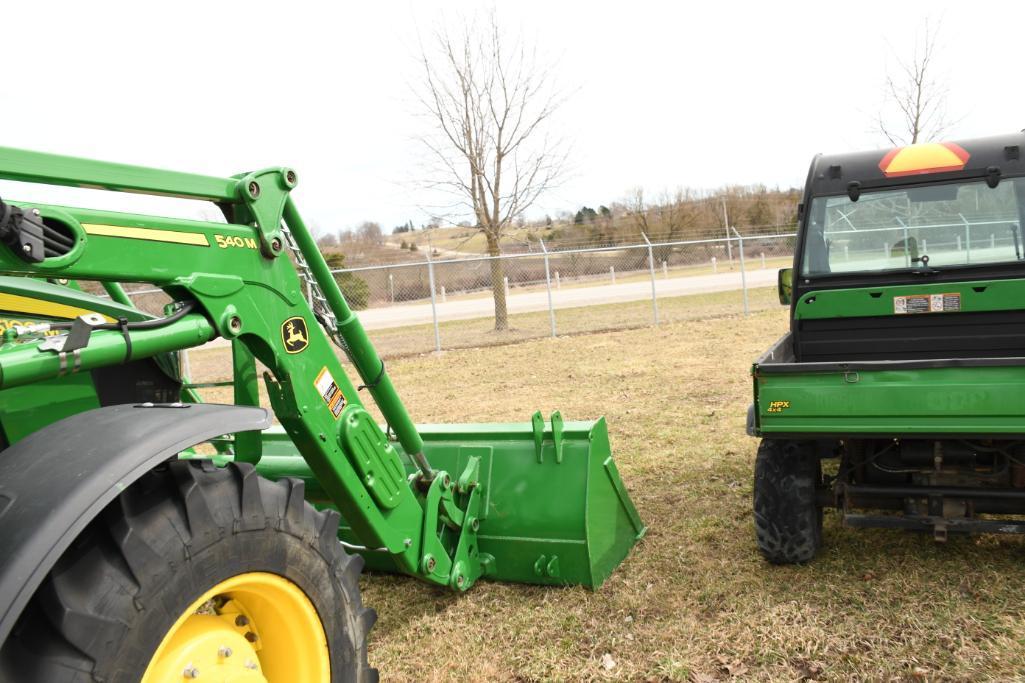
<point>225,241</point>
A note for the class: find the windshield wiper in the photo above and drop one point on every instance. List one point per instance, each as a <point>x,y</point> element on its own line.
<point>925,269</point>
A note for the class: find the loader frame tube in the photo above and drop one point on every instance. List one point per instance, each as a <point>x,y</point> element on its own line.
<point>364,356</point>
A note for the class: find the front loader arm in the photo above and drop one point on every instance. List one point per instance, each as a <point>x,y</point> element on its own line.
<point>244,286</point>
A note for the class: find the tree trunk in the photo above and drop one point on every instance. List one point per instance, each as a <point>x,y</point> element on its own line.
<point>497,285</point>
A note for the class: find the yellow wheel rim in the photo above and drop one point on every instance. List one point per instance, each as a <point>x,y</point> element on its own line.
<point>253,627</point>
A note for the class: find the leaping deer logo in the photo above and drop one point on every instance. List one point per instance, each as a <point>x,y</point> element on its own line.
<point>293,334</point>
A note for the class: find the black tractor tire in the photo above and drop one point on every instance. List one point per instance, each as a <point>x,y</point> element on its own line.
<point>176,533</point>
<point>788,518</point>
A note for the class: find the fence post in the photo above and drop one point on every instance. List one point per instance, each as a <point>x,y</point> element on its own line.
<point>726,224</point>
<point>558,282</point>
<point>651,269</point>
<point>548,284</point>
<point>743,272</point>
<point>434,303</point>
<point>763,260</point>
<point>715,267</point>
<point>612,273</point>
<point>505,283</point>
<point>391,287</point>
<point>967,238</point>
<point>443,297</point>
<point>665,270</point>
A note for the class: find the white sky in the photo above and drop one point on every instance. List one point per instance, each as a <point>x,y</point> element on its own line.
<point>666,94</point>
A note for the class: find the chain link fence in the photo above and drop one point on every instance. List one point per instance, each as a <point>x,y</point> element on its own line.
<point>448,302</point>
<point>445,302</point>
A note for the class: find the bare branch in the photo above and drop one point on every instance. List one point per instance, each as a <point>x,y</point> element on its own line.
<point>917,98</point>
<point>491,102</point>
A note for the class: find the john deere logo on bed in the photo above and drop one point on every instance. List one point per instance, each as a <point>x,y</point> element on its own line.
<point>294,335</point>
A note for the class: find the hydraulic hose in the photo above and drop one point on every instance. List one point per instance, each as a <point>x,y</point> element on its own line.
<point>184,309</point>
<point>25,363</point>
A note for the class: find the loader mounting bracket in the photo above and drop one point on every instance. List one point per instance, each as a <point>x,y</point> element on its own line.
<point>264,193</point>
<point>452,509</point>
<point>22,232</point>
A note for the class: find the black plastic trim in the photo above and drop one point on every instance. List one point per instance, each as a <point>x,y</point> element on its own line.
<point>55,481</point>
<point>897,434</point>
<point>885,365</point>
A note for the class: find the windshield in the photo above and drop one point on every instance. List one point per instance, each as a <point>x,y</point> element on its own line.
<point>936,226</point>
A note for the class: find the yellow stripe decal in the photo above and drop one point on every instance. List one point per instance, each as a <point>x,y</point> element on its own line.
<point>27,306</point>
<point>175,236</point>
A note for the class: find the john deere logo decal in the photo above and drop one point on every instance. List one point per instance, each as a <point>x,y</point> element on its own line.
<point>294,335</point>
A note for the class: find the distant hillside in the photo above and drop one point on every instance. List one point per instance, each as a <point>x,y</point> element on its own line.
<point>685,214</point>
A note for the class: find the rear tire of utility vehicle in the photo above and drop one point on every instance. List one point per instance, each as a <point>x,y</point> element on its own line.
<point>788,519</point>
<point>197,571</point>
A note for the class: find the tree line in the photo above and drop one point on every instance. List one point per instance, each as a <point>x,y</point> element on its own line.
<point>683,214</point>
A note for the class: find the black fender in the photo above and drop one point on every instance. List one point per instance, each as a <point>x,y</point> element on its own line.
<point>55,481</point>
<point>752,427</point>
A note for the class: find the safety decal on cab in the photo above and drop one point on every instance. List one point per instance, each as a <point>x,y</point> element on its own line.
<point>330,392</point>
<point>294,334</point>
<point>926,303</point>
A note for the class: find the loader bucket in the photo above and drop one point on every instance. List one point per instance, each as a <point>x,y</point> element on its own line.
<point>555,509</point>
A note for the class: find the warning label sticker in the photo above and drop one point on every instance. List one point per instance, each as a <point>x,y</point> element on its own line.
<point>330,392</point>
<point>927,303</point>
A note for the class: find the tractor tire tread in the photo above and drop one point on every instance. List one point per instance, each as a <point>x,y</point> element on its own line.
<point>178,530</point>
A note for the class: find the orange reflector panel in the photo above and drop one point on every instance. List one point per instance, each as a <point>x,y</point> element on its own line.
<point>929,157</point>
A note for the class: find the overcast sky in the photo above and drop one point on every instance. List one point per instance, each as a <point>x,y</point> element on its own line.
<point>664,94</point>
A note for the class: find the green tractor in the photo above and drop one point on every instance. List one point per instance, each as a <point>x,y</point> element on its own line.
<point>149,536</point>
<point>905,359</point>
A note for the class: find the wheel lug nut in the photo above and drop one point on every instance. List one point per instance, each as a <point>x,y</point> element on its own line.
<point>251,637</point>
<point>191,672</point>
<point>241,620</point>
<point>250,664</point>
<point>224,652</point>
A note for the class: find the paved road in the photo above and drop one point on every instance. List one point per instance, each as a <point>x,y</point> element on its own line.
<point>483,307</point>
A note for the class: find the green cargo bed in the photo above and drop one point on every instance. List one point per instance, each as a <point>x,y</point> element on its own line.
<point>979,397</point>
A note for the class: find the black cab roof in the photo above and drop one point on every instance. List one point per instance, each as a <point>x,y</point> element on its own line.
<point>989,157</point>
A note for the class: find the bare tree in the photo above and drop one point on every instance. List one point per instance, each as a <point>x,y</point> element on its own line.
<point>491,103</point>
<point>328,239</point>
<point>916,100</point>
<point>669,211</point>
<point>369,231</point>
<point>637,210</point>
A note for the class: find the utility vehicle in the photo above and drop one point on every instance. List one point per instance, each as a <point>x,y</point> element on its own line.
<point>145,535</point>
<point>905,359</point>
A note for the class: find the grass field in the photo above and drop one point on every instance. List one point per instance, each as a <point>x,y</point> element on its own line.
<point>694,601</point>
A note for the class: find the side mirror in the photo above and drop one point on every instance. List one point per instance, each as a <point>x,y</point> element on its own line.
<point>785,285</point>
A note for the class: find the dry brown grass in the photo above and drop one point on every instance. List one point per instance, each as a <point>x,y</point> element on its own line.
<point>694,601</point>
